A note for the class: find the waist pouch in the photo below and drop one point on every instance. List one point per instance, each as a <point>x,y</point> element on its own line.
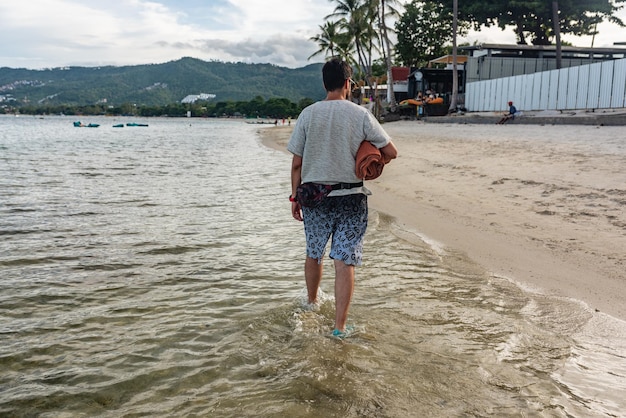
<point>311,195</point>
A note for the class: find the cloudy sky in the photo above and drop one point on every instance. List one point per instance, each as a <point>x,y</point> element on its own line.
<point>54,33</point>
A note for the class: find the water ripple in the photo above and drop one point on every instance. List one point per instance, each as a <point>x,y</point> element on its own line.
<point>158,272</point>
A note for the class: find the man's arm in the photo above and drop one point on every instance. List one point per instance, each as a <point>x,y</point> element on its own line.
<point>389,152</point>
<point>296,179</point>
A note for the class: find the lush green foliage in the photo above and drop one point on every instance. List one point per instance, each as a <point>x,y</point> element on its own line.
<point>425,27</point>
<point>158,84</point>
<point>424,32</point>
<point>356,31</point>
<point>333,42</point>
<point>532,19</point>
<point>255,108</point>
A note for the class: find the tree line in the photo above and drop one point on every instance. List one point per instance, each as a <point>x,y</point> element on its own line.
<point>274,108</point>
<point>156,84</point>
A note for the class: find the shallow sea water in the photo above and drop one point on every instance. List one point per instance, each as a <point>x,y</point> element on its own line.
<point>156,271</point>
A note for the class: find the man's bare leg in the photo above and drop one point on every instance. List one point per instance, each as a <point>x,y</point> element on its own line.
<point>344,287</point>
<point>313,277</point>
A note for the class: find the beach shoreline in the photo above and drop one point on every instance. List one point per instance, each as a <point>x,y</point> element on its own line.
<point>519,200</point>
<point>593,117</point>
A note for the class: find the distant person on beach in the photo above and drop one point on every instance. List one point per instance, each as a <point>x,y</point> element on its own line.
<point>324,144</point>
<point>508,116</point>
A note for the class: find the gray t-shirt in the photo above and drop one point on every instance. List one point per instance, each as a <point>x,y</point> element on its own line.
<point>327,136</point>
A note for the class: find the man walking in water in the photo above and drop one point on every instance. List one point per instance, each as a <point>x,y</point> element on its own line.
<point>324,145</point>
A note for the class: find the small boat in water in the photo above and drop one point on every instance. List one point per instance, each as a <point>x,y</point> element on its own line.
<point>119,125</point>
<point>79,124</point>
<point>136,124</point>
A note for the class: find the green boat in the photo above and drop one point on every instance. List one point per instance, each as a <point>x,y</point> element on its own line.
<point>79,124</point>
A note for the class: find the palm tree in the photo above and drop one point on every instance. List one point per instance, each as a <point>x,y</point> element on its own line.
<point>369,35</point>
<point>346,48</point>
<point>350,13</point>
<point>327,40</point>
<point>364,22</point>
<point>359,17</point>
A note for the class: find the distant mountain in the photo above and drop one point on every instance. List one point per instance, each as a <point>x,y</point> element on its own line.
<point>159,84</point>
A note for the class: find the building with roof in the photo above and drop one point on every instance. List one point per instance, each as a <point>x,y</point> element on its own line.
<point>492,74</point>
<point>588,79</point>
<point>490,61</point>
<point>192,98</point>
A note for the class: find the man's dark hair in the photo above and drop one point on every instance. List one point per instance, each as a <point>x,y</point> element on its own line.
<point>335,73</point>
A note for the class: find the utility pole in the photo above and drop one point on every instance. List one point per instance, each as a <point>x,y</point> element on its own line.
<point>557,32</point>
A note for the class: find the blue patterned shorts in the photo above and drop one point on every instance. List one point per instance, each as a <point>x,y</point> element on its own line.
<point>342,217</point>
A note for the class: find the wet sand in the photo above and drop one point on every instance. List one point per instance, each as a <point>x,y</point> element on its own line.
<point>544,206</point>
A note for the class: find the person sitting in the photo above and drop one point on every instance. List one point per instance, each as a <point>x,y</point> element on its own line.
<point>508,116</point>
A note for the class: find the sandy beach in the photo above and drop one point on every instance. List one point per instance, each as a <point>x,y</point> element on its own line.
<point>541,205</point>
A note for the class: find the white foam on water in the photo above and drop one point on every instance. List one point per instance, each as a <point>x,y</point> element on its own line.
<point>596,369</point>
<point>307,317</point>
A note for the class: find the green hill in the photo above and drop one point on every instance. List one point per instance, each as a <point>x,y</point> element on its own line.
<point>159,84</point>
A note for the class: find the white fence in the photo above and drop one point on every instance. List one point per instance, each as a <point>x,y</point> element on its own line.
<point>594,86</point>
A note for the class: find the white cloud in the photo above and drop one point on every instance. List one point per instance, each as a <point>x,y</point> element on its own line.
<point>51,33</point>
